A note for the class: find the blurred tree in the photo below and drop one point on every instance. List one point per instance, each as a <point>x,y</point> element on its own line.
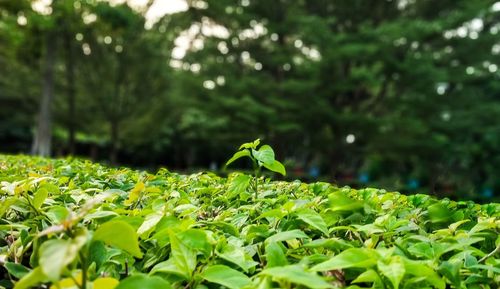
<point>18,85</point>
<point>400,94</point>
<point>127,65</point>
<point>72,18</point>
<point>42,141</point>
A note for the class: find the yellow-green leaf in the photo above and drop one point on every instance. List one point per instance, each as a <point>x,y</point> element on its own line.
<point>394,270</point>
<point>135,193</point>
<point>226,276</point>
<point>105,283</point>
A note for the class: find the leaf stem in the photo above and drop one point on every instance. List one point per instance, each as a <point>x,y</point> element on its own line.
<point>84,270</point>
<point>37,213</point>
<point>75,281</point>
<point>497,249</point>
<point>256,181</point>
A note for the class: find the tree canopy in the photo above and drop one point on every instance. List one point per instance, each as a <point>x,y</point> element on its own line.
<point>402,94</point>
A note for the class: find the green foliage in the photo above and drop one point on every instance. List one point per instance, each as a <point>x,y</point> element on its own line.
<point>143,281</point>
<point>295,274</point>
<point>103,228</point>
<point>119,234</point>
<point>262,157</point>
<point>226,276</point>
<point>413,85</point>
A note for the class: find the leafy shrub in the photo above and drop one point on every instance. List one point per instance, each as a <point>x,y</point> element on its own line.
<point>76,224</point>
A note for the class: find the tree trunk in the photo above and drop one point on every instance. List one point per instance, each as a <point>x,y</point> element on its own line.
<point>70,79</point>
<point>43,135</point>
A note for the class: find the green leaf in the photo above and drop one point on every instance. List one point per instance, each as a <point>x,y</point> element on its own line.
<point>394,270</point>
<point>121,235</point>
<point>275,256</point>
<point>339,201</point>
<point>143,281</point>
<point>418,268</point>
<point>39,197</point>
<point>226,276</point>
<point>369,276</point>
<point>97,253</point>
<point>135,193</point>
<point>197,240</point>
<point>434,250</point>
<point>332,243</point>
<point>296,274</point>
<point>167,267</point>
<point>239,184</point>
<point>183,256</point>
<point>149,223</point>
<point>264,282</point>
<point>55,255</point>
<point>100,215</point>
<point>16,270</point>
<point>353,257</point>
<point>250,145</point>
<point>277,167</point>
<point>314,219</point>
<point>265,155</point>
<point>485,267</point>
<point>275,213</point>
<point>483,225</point>
<point>51,188</point>
<point>105,283</point>
<point>237,256</point>
<point>287,235</point>
<point>35,277</point>
<point>451,270</point>
<point>226,227</point>
<point>453,227</point>
<point>57,214</point>
<point>422,249</point>
<point>237,155</point>
<point>6,204</point>
<point>439,213</point>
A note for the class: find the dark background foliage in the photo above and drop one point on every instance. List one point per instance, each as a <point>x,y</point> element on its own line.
<point>400,94</point>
